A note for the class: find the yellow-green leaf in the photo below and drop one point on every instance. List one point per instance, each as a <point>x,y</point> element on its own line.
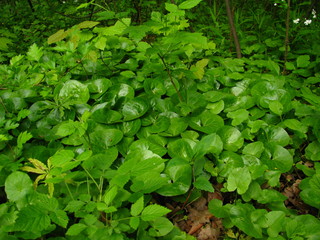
<point>58,36</point>
<point>87,24</point>
<point>33,170</point>
<point>38,164</point>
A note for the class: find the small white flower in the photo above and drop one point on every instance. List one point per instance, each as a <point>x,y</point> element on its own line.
<point>275,4</point>
<point>307,22</point>
<point>296,21</point>
<point>314,15</point>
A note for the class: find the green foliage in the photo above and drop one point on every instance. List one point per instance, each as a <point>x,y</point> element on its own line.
<point>106,117</point>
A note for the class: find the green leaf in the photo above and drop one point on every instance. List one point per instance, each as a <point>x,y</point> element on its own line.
<point>154,211</point>
<point>238,116</point>
<point>278,135</point>
<point>102,137</point>
<point>177,126</point>
<point>310,190</point>
<point>180,173</point>
<point>102,113</point>
<point>276,107</point>
<point>255,149</point>
<point>137,207</point>
<point>134,222</point>
<point>75,229</point>
<point>216,207</point>
<point>23,138</point>
<point>306,225</point>
<point>231,138</point>
<point>110,195</point>
<point>281,160</point>
<point>160,227</point>
<point>206,122</point>
<point>134,108</point>
<point>313,151</point>
<point>73,92</point>
<point>303,61</point>
<point>211,143</point>
<point>34,53</point>
<point>87,24</point>
<point>17,186</point>
<point>181,148</point>
<point>296,125</point>
<point>273,66</point>
<point>61,157</point>
<point>32,219</point>
<point>171,7</point>
<point>189,4</point>
<point>203,183</point>
<point>59,217</point>
<point>104,160</point>
<point>58,36</point>
<point>275,221</point>
<point>240,216</point>
<point>239,179</point>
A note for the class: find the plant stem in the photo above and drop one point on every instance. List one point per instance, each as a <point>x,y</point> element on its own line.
<point>233,29</point>
<point>286,41</point>
<point>170,77</point>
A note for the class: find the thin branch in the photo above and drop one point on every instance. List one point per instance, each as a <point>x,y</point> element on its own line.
<point>233,29</point>
<point>170,77</point>
<point>286,41</point>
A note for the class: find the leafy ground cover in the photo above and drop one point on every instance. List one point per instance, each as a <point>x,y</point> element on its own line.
<point>154,131</point>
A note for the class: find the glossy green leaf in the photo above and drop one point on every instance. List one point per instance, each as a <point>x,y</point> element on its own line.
<point>238,116</point>
<point>180,173</point>
<point>99,85</point>
<point>73,92</point>
<point>296,125</point>
<point>102,137</point>
<point>211,143</point>
<point>177,126</point>
<point>206,122</point>
<point>130,128</point>
<point>231,138</point>
<point>181,148</point>
<point>278,135</point>
<point>276,107</point>
<point>160,125</point>
<point>101,113</point>
<point>134,108</point>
